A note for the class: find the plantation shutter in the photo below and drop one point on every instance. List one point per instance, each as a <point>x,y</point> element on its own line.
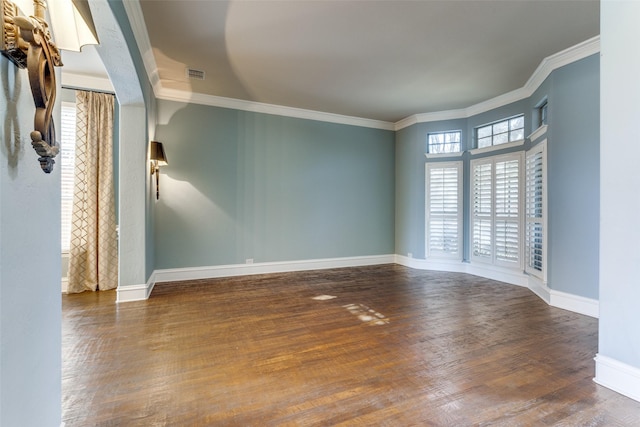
<point>444,209</point>
<point>482,210</point>
<point>507,218</point>
<point>534,211</point>
<point>67,165</point>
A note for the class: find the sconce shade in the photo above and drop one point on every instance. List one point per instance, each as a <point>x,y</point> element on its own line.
<point>71,22</point>
<point>157,154</point>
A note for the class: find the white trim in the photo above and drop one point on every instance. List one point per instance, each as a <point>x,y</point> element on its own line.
<point>65,284</point>
<point>575,303</point>
<point>136,292</point>
<point>80,81</point>
<point>443,155</point>
<point>539,288</point>
<point>259,107</point>
<point>618,376</point>
<point>491,148</point>
<point>546,67</point>
<point>563,300</point>
<point>493,272</point>
<point>459,167</point>
<point>536,134</point>
<point>140,33</point>
<point>488,271</point>
<point>211,272</point>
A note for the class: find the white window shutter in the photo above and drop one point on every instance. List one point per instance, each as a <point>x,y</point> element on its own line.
<point>535,200</point>
<point>482,209</point>
<point>67,165</point>
<point>444,209</point>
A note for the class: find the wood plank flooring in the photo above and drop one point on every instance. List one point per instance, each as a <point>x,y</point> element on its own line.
<point>395,347</point>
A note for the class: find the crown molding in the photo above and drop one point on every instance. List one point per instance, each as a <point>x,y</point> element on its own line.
<point>278,110</point>
<point>546,67</point>
<point>139,28</point>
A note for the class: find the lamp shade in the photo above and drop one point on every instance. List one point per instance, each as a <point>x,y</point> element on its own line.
<point>157,154</point>
<point>71,22</point>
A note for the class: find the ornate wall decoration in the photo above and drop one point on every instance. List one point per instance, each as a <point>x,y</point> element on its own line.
<point>27,42</point>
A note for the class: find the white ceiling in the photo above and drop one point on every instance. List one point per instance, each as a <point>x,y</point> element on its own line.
<point>382,60</point>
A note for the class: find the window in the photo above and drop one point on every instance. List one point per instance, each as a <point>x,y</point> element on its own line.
<point>444,142</point>
<point>444,210</point>
<point>502,132</point>
<point>542,114</point>
<point>495,198</point>
<point>535,211</point>
<point>67,165</point>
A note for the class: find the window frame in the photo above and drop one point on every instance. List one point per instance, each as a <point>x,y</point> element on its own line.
<point>430,252</point>
<point>489,220</point>
<point>446,132</point>
<point>540,148</point>
<point>509,143</point>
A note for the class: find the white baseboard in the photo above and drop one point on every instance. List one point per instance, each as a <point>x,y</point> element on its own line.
<point>575,303</point>
<point>451,266</point>
<point>196,273</point>
<point>512,277</point>
<point>540,288</point>
<point>558,299</point>
<point>618,376</point>
<point>136,292</point>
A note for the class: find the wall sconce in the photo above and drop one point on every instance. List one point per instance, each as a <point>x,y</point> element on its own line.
<point>28,43</point>
<point>158,158</point>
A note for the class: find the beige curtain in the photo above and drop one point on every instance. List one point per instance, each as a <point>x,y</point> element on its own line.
<point>93,253</point>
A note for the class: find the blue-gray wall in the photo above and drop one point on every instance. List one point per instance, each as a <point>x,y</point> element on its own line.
<point>30,299</point>
<point>573,172</point>
<point>242,185</point>
<point>144,86</point>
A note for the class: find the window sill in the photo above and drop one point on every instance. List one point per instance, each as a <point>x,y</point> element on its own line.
<point>443,155</point>
<point>476,151</point>
<point>538,133</point>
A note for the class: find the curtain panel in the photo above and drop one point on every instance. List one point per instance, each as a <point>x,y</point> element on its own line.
<point>93,252</point>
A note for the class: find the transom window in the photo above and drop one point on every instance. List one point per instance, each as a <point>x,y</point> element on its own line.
<point>444,142</point>
<point>501,132</point>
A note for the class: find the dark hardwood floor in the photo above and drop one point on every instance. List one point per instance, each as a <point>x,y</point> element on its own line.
<point>395,347</point>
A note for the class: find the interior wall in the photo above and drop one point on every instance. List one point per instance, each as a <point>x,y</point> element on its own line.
<point>249,186</point>
<point>619,197</point>
<point>573,141</point>
<point>30,299</point>
<point>573,173</point>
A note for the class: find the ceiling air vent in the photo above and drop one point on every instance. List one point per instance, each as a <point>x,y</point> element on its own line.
<point>195,74</point>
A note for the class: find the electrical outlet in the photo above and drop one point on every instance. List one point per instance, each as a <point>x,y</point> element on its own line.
<point>249,261</point>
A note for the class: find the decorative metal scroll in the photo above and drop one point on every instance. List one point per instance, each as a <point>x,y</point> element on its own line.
<point>27,42</point>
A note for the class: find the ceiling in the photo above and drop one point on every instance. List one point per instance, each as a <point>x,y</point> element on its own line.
<point>382,60</point>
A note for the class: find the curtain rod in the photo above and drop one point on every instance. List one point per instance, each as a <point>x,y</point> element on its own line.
<point>88,90</point>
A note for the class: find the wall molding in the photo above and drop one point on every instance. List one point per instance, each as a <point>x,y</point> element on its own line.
<point>577,304</point>
<point>618,376</point>
<point>260,107</point>
<point>232,270</point>
<point>547,65</point>
<point>136,292</point>
<point>574,303</point>
<point>540,288</point>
